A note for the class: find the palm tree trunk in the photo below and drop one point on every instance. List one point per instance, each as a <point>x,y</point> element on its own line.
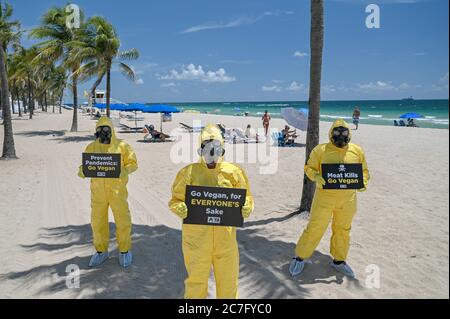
<point>30,104</point>
<point>9,150</point>
<point>18,101</point>
<point>94,87</point>
<point>108,89</point>
<point>312,135</point>
<point>75,104</point>
<point>61,101</point>
<point>45,101</point>
<point>12,101</point>
<point>24,102</point>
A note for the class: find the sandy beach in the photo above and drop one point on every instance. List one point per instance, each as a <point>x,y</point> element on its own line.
<point>401,228</point>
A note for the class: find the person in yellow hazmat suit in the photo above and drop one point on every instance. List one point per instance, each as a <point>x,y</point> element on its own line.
<point>203,245</point>
<point>337,206</point>
<point>110,192</point>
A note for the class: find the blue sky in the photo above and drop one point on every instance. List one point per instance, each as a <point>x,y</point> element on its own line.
<point>253,50</point>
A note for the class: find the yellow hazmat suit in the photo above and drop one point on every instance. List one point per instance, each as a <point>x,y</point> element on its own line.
<point>205,246</point>
<point>336,205</point>
<point>111,192</point>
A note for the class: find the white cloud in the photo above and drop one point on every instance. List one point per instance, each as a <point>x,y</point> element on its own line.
<point>381,86</point>
<point>168,85</point>
<point>244,20</point>
<point>378,85</point>
<point>141,68</point>
<point>444,79</point>
<point>299,54</point>
<point>196,73</point>
<point>139,81</point>
<point>442,84</point>
<point>327,88</point>
<point>271,88</point>
<point>294,86</point>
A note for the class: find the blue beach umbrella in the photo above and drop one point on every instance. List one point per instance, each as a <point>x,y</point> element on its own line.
<point>411,115</point>
<point>161,108</point>
<point>112,106</point>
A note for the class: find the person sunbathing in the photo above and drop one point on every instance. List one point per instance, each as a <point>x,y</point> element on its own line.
<point>155,134</point>
<point>250,133</point>
<point>289,136</point>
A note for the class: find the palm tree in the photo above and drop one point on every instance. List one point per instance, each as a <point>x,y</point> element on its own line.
<point>56,35</point>
<point>57,84</point>
<point>26,75</point>
<point>312,135</point>
<point>8,31</point>
<point>99,47</point>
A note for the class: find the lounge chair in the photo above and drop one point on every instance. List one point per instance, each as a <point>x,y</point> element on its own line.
<point>396,123</point>
<point>238,136</point>
<point>402,123</point>
<point>132,117</point>
<point>191,129</point>
<point>128,129</point>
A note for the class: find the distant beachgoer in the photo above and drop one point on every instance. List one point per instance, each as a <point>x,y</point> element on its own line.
<point>411,123</point>
<point>266,121</point>
<point>355,116</point>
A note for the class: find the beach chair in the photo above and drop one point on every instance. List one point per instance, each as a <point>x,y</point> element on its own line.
<point>240,137</point>
<point>132,117</point>
<point>128,129</point>
<point>191,129</point>
<point>396,123</point>
<point>402,123</point>
<point>278,139</point>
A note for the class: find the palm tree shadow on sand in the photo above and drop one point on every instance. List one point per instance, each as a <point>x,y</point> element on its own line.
<point>158,270</point>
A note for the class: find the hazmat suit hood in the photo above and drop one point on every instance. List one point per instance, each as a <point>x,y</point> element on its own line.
<point>105,121</point>
<point>211,132</point>
<point>337,123</point>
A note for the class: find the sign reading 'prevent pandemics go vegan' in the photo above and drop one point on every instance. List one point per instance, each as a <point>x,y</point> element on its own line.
<point>101,165</point>
<point>215,206</point>
<point>343,176</point>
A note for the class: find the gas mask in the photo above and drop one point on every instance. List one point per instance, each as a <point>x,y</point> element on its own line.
<point>104,134</point>
<point>341,136</point>
<point>211,151</point>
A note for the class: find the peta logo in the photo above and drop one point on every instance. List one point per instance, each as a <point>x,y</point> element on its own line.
<point>213,220</point>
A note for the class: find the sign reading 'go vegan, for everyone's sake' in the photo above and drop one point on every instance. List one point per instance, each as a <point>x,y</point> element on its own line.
<point>343,176</point>
<point>101,165</point>
<point>216,206</point>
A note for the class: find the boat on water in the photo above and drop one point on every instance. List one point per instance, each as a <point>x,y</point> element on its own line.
<point>408,99</point>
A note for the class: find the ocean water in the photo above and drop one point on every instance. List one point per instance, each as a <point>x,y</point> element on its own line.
<point>435,112</point>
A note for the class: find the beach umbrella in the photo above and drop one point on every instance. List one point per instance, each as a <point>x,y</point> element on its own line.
<point>295,118</point>
<point>112,106</point>
<point>161,108</point>
<point>133,107</point>
<point>411,115</point>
